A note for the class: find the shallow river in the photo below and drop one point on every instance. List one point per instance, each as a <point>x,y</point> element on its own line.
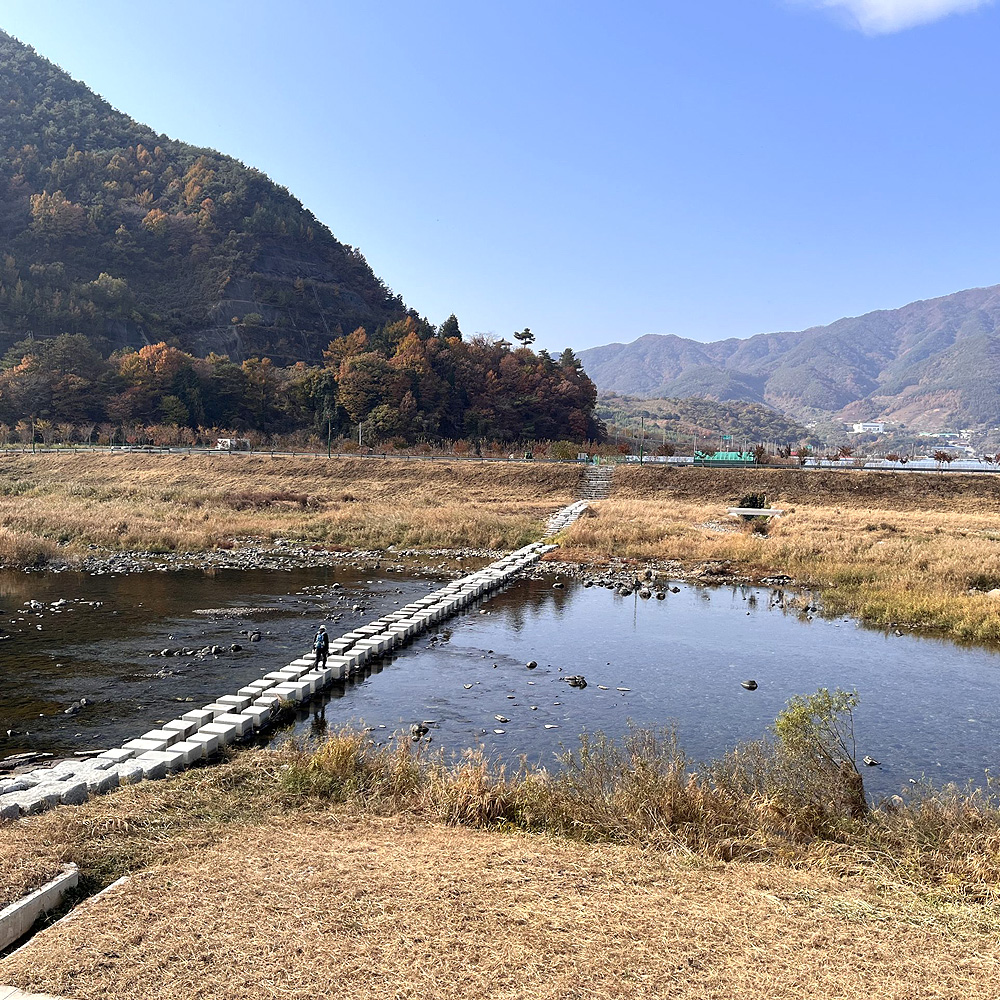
<point>928,707</point>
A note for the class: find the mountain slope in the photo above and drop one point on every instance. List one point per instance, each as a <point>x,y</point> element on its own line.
<point>113,231</point>
<point>930,364</point>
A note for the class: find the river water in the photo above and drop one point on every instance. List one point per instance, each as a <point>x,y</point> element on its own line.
<point>928,707</point>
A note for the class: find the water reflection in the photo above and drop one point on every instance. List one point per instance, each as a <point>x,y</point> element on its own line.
<point>928,706</point>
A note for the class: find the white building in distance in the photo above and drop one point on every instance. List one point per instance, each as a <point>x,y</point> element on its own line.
<point>870,427</point>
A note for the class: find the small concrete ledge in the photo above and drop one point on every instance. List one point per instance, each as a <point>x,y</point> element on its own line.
<point>18,918</point>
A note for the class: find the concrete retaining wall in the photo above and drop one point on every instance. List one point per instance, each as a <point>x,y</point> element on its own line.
<point>18,918</point>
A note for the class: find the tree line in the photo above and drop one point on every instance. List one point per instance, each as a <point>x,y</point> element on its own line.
<point>408,380</point>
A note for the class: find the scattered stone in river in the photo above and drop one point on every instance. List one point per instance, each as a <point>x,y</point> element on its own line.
<point>660,595</point>
<point>499,732</point>
<point>467,687</point>
<point>558,586</point>
<point>531,664</point>
<point>254,636</point>
<point>675,590</point>
<point>575,680</point>
<point>235,647</point>
<point>623,689</point>
<point>645,594</point>
<point>602,687</point>
<point>501,718</point>
<point>749,685</point>
<point>870,761</point>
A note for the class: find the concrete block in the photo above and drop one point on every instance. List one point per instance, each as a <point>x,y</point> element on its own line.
<point>199,716</point>
<point>170,735</point>
<point>185,727</point>
<point>256,689</point>
<point>75,794</point>
<point>193,750</point>
<point>209,741</point>
<point>102,781</point>
<point>321,678</point>
<point>339,645</point>
<point>237,701</point>
<point>303,661</point>
<point>144,746</point>
<point>241,723</point>
<point>153,765</point>
<point>292,693</point>
<point>129,772</point>
<point>40,798</point>
<point>270,701</point>
<point>217,708</point>
<point>226,733</point>
<point>258,716</point>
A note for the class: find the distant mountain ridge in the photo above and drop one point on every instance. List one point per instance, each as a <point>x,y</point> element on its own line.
<point>930,364</point>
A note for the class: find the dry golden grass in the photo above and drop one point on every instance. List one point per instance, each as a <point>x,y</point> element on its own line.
<point>335,906</point>
<point>353,870</point>
<point>192,503</point>
<point>892,548</point>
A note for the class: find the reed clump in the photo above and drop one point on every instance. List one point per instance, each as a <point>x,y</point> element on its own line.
<point>939,848</point>
<point>763,800</point>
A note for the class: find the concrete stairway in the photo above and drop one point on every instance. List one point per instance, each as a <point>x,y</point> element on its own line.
<point>597,481</point>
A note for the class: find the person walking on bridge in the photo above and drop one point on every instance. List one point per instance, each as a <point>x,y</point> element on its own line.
<point>321,647</point>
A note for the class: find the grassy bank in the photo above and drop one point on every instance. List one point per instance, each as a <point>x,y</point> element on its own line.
<point>59,505</point>
<point>279,873</point>
<point>892,548</point>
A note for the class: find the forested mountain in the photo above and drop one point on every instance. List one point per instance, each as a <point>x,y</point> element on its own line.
<point>705,419</point>
<point>931,364</point>
<point>146,281</point>
<point>113,231</point>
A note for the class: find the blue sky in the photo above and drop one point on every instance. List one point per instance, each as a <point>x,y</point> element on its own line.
<point>594,171</point>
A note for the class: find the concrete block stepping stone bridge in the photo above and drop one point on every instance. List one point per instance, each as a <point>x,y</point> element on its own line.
<point>235,717</point>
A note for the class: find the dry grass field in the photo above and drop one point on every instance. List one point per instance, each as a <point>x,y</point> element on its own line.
<point>892,548</point>
<point>343,907</point>
<point>59,504</point>
<point>244,886</point>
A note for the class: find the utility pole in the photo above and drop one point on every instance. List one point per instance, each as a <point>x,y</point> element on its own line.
<point>329,433</point>
<point>642,435</point>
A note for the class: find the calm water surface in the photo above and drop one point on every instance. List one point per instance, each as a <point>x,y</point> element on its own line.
<point>928,707</point>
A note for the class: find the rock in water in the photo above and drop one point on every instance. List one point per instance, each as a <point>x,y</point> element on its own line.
<point>749,685</point>
<point>531,664</point>
<point>870,761</point>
